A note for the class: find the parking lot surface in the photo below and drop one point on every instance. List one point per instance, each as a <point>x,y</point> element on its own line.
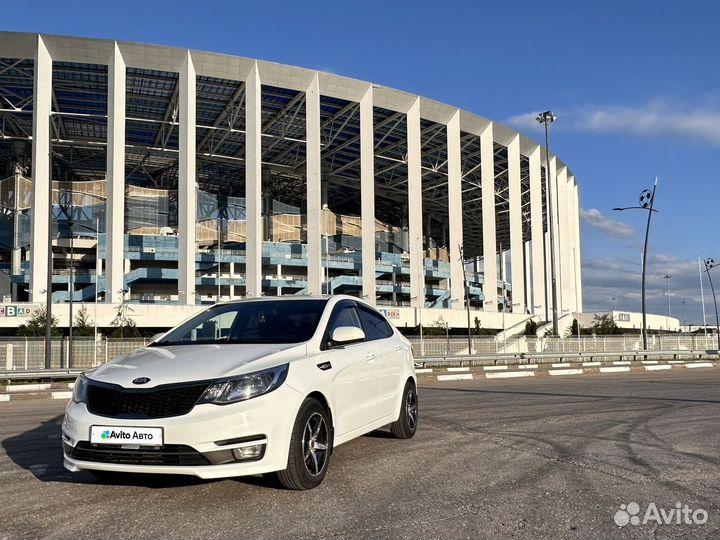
<point>528,458</point>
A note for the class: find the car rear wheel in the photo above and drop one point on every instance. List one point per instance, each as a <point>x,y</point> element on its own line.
<point>406,424</point>
<point>310,448</point>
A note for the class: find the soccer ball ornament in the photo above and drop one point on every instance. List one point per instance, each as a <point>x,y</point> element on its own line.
<point>646,198</point>
<point>710,263</point>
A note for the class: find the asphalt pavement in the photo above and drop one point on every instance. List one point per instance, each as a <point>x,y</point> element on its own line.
<point>529,458</point>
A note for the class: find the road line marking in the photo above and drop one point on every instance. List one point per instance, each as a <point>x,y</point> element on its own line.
<point>614,369</point>
<point>458,377</point>
<point>655,368</point>
<point>622,362</point>
<point>575,371</point>
<point>62,395</point>
<point>561,364</point>
<point>27,387</point>
<point>650,361</point>
<point>528,366</point>
<point>458,369</point>
<point>700,364</point>
<point>71,385</point>
<point>676,361</point>
<point>494,368</point>
<point>423,370</point>
<point>591,364</point>
<point>4,397</point>
<point>509,374</point>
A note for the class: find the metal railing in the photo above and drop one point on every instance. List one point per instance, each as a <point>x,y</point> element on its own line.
<point>28,353</point>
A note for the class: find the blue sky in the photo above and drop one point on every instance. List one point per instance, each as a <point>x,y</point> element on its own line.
<point>635,85</point>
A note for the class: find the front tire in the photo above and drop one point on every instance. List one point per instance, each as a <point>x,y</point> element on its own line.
<point>310,448</point>
<point>406,424</point>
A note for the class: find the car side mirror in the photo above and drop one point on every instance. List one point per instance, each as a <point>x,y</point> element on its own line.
<point>347,334</point>
<point>157,336</point>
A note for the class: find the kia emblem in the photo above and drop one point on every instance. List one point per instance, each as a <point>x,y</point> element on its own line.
<point>141,380</point>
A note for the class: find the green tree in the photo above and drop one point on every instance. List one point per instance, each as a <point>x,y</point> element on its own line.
<point>83,325</point>
<point>36,326</point>
<point>123,324</point>
<point>531,328</point>
<point>603,325</point>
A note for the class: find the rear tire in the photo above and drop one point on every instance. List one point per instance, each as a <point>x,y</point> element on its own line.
<point>310,448</point>
<point>406,424</point>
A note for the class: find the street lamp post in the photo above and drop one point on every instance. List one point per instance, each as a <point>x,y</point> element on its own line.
<point>683,308</point>
<point>546,118</point>
<point>612,302</point>
<point>325,209</point>
<point>467,299</point>
<point>709,265</point>
<point>667,278</point>
<point>647,200</point>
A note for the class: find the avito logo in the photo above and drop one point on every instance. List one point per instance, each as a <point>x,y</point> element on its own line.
<point>124,435</point>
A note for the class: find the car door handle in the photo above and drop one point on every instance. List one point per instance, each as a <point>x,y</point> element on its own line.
<point>398,348</point>
<point>369,356</point>
<point>324,366</point>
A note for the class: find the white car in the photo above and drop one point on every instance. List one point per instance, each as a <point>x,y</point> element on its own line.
<point>243,388</point>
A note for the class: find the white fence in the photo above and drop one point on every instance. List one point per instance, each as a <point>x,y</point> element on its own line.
<point>458,346</point>
<point>28,353</point>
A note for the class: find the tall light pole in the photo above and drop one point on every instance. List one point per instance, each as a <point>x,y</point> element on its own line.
<point>612,302</point>
<point>546,118</point>
<point>467,299</point>
<point>709,265</point>
<point>667,278</point>
<point>702,301</point>
<point>325,210</point>
<point>683,308</point>
<point>647,200</point>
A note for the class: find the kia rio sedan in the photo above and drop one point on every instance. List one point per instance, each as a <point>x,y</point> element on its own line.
<point>243,388</point>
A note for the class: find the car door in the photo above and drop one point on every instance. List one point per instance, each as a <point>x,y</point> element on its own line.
<point>390,357</point>
<point>356,384</point>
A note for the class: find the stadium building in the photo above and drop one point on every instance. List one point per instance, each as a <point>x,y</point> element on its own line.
<point>170,178</point>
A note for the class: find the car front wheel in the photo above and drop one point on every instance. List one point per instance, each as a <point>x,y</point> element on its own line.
<point>310,448</point>
<point>406,424</point>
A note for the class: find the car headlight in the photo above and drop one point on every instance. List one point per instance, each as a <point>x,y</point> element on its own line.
<point>245,386</point>
<point>80,390</point>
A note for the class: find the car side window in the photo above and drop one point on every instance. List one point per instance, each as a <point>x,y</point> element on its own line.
<point>343,315</point>
<point>376,327</point>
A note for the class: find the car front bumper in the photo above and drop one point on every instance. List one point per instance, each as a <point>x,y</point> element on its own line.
<point>266,419</point>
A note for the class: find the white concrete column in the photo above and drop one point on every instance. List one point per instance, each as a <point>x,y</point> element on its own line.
<point>253,184</point>
<point>367,195</point>
<point>40,227</point>
<point>312,136</point>
<point>455,212</point>
<point>417,258</point>
<point>487,174</point>
<point>578,258</point>
<point>565,248</point>
<point>537,242</point>
<point>558,239</point>
<point>115,202</point>
<point>516,240</point>
<point>187,194</point>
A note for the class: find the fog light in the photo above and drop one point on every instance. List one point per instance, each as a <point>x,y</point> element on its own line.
<point>245,453</point>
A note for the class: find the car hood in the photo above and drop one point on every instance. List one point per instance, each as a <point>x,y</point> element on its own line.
<point>184,363</point>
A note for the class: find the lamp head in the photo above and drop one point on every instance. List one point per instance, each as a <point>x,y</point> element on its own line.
<point>546,117</point>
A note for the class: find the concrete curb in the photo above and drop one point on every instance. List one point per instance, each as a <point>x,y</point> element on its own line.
<point>567,369</point>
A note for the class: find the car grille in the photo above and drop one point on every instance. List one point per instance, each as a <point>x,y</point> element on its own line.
<point>161,402</point>
<point>170,454</point>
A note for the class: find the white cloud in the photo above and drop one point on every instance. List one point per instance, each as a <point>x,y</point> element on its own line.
<point>608,277</point>
<point>607,226</point>
<point>656,119</point>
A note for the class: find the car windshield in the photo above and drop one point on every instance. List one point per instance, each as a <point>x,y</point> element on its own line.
<point>263,321</point>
